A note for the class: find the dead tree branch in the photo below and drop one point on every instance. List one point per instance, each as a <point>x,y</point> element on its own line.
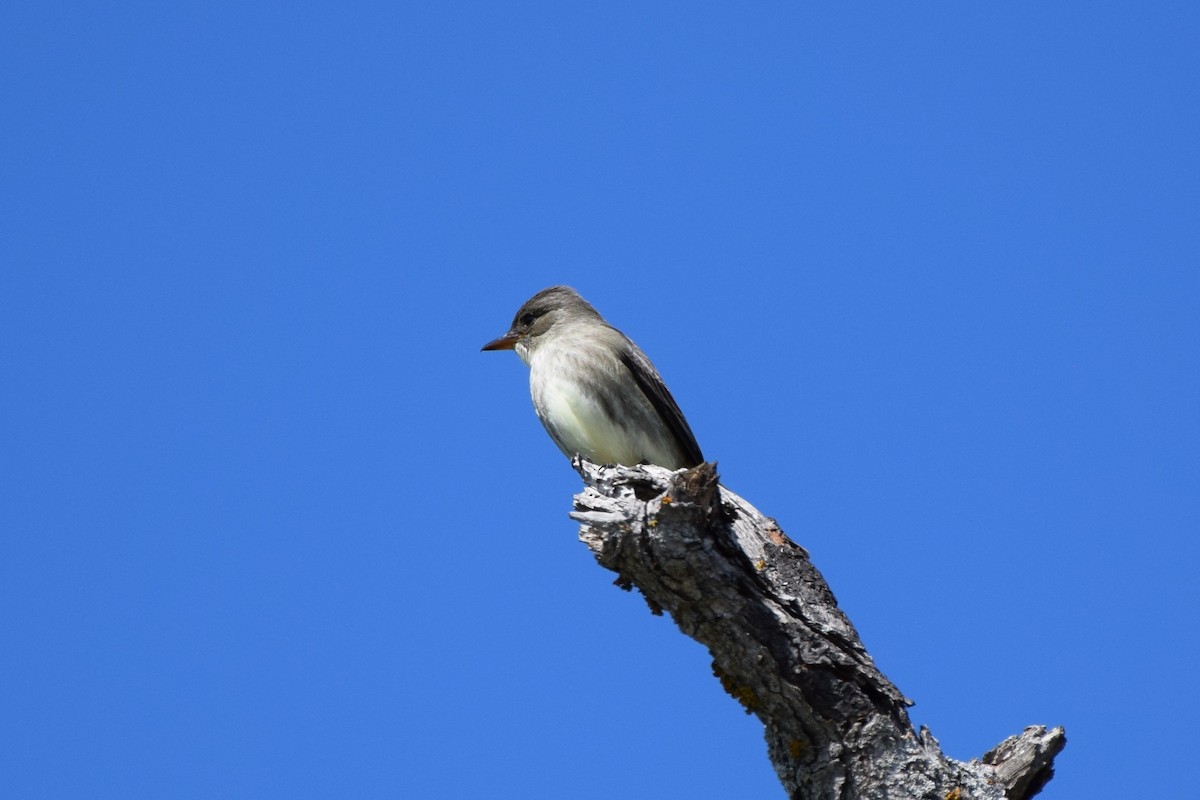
<point>730,578</point>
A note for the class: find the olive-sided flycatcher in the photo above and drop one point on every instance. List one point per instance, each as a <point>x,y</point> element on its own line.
<point>593,389</point>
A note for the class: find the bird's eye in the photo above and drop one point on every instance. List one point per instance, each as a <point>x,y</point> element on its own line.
<point>526,319</point>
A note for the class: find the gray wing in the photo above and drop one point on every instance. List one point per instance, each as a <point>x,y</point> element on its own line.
<point>656,392</point>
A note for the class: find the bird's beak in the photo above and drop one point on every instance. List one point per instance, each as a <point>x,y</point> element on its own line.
<point>506,342</point>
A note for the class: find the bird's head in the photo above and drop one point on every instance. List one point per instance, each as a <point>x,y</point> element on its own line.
<point>538,315</point>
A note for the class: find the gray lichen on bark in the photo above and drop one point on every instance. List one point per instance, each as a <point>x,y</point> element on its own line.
<point>729,577</point>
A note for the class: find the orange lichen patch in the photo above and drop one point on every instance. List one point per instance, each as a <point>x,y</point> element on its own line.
<point>741,692</point>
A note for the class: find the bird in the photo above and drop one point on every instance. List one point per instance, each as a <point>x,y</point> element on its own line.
<point>594,390</point>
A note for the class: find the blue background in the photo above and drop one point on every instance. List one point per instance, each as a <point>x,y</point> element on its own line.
<point>924,280</point>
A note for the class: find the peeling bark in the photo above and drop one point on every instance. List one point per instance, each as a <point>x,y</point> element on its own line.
<point>731,580</point>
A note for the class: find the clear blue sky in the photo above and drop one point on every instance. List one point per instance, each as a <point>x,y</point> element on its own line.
<point>925,280</point>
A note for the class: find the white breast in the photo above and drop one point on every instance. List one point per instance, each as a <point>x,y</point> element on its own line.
<point>566,401</point>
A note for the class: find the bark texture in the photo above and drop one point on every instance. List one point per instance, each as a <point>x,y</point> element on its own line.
<point>730,578</point>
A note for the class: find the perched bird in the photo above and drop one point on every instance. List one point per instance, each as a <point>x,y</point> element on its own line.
<point>594,390</point>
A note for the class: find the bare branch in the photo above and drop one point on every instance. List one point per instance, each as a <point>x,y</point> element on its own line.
<point>730,578</point>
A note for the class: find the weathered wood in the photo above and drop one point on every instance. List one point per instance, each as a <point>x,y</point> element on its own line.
<point>1025,763</point>
<point>731,580</point>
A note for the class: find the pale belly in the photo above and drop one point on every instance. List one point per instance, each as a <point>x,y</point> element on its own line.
<point>625,430</point>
